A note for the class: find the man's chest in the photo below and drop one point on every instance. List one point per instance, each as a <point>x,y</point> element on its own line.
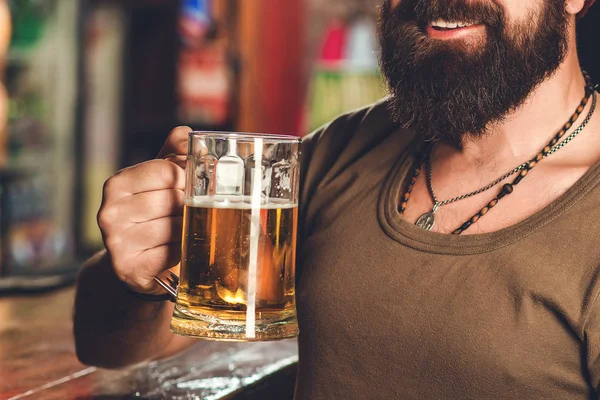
<point>465,200</point>
<point>500,319</point>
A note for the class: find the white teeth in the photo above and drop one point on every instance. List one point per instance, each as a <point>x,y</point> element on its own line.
<point>440,23</point>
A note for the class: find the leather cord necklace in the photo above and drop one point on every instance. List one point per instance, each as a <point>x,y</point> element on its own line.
<point>427,220</point>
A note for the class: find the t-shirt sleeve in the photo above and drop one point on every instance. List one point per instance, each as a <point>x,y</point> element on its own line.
<point>309,143</point>
<point>319,150</point>
<point>325,149</point>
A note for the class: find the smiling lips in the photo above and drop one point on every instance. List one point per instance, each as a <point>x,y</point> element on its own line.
<point>445,30</point>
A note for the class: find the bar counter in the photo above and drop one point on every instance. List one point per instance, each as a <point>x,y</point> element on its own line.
<point>37,361</point>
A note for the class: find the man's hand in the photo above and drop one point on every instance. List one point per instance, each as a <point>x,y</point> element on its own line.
<point>141,215</point>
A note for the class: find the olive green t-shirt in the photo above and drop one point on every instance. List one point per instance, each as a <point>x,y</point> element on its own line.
<point>389,311</point>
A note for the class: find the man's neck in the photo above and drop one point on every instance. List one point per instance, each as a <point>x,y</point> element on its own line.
<point>526,130</point>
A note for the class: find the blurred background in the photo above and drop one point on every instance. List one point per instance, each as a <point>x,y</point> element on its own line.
<point>88,87</point>
<point>92,86</point>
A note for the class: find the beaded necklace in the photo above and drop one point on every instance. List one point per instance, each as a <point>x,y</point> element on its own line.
<point>427,220</point>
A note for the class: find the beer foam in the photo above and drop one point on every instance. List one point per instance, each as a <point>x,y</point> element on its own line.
<point>236,202</point>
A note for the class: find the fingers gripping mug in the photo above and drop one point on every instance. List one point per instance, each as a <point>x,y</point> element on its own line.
<point>239,238</point>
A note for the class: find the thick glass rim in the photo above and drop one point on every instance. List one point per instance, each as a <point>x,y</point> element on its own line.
<point>245,136</point>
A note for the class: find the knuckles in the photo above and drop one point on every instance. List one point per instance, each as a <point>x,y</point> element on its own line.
<point>106,217</point>
<point>110,186</point>
<point>113,244</point>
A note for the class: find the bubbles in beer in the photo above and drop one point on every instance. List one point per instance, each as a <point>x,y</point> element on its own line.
<point>216,253</point>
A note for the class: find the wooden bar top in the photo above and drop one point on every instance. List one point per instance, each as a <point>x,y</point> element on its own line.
<point>37,361</point>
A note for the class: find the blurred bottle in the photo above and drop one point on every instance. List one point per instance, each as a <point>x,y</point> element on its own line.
<point>194,22</point>
<point>361,46</point>
<point>334,44</point>
<point>204,72</point>
<point>5,34</point>
<point>326,97</point>
<point>347,74</point>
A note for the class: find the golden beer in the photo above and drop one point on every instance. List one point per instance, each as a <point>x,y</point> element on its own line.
<point>237,272</point>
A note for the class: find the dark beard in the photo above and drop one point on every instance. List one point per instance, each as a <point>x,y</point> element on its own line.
<point>447,91</point>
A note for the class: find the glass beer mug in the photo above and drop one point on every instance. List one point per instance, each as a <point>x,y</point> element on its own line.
<point>240,220</point>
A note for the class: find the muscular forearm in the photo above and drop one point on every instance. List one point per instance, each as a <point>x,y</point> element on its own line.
<point>113,328</point>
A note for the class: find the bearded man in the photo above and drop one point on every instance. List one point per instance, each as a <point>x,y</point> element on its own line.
<point>448,234</point>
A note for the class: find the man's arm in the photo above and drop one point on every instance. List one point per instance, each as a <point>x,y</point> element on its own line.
<point>114,328</point>
<point>140,219</point>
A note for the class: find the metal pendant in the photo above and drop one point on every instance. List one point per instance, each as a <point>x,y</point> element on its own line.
<point>426,221</point>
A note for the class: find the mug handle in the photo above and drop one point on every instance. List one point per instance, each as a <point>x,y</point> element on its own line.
<point>169,283</point>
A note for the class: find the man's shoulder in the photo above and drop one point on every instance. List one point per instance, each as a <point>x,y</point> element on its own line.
<point>354,132</point>
<point>368,135</point>
<point>373,117</point>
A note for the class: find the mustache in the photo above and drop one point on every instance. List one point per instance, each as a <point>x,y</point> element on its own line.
<point>425,11</point>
